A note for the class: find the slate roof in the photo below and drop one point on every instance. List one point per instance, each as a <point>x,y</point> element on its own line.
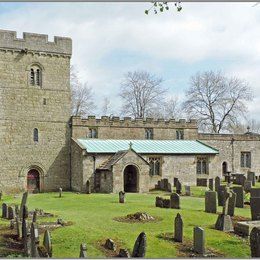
<point>107,146</point>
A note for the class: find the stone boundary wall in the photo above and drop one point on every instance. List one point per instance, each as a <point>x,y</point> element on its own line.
<point>137,122</point>
<point>228,137</point>
<point>32,42</point>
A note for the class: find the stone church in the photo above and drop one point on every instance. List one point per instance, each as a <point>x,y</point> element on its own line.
<point>44,148</point>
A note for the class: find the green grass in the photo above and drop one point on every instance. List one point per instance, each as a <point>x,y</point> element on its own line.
<point>92,216</point>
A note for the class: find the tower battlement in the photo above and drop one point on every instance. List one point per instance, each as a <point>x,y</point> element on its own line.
<point>33,42</point>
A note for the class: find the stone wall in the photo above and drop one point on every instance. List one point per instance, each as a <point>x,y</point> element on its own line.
<point>25,107</point>
<point>127,128</point>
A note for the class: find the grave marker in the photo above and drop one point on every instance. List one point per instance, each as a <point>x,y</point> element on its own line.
<point>140,246</point>
<point>217,183</point>
<point>23,203</point>
<point>211,184</point>
<point>187,190</point>
<point>255,242</point>
<point>175,201</point>
<point>199,240</point>
<point>240,196</point>
<point>232,204</point>
<point>47,242</point>
<point>178,228</point>
<point>4,210</point>
<point>211,201</point>
<point>88,188</point>
<point>121,197</point>
<point>83,251</point>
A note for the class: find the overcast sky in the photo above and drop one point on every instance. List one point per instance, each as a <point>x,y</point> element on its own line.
<point>110,39</point>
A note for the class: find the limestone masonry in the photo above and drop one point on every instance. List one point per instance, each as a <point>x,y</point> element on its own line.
<point>41,148</point>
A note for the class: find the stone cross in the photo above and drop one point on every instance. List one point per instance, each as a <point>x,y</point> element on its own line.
<point>199,240</point>
<point>83,251</point>
<point>23,203</point>
<point>60,192</point>
<point>178,228</point>
<point>140,246</point>
<point>227,196</point>
<point>47,242</point>
<point>121,197</point>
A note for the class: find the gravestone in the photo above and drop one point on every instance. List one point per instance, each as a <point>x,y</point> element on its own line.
<point>199,240</point>
<point>121,197</point>
<point>140,246</point>
<point>255,192</point>
<point>60,192</point>
<point>211,184</point>
<point>203,182</point>
<point>255,208</point>
<point>47,242</point>
<point>88,188</point>
<point>240,196</point>
<point>25,212</point>
<point>175,181</point>
<point>34,240</point>
<point>34,219</point>
<point>124,253</point>
<point>166,203</point>
<point>83,251</point>
<point>178,228</point>
<point>158,202</point>
<point>232,204</point>
<point>18,227</point>
<point>221,190</point>
<point>211,201</point>
<point>217,183</point>
<point>187,190</point>
<point>110,244</point>
<point>4,210</point>
<point>239,179</point>
<point>247,186</point>
<point>11,212</point>
<point>165,184</point>
<point>178,187</point>
<point>26,237</point>
<point>23,203</point>
<point>244,228</point>
<point>17,211</point>
<point>175,201</point>
<point>224,222</point>
<point>169,189</point>
<point>255,242</point>
<point>161,185</point>
<point>24,229</point>
<point>251,177</point>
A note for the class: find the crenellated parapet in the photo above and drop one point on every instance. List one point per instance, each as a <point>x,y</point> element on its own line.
<point>32,42</point>
<point>136,122</point>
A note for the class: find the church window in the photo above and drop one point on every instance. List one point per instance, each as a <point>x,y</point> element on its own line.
<point>246,159</point>
<point>155,165</point>
<point>44,101</point>
<point>179,134</point>
<point>35,76</point>
<point>32,77</point>
<point>35,135</point>
<point>202,166</point>
<point>148,133</point>
<point>93,133</point>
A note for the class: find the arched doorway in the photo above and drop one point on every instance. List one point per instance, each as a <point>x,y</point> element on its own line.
<point>224,168</point>
<point>130,178</point>
<point>33,181</point>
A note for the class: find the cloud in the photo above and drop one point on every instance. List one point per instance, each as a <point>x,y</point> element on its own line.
<point>110,39</point>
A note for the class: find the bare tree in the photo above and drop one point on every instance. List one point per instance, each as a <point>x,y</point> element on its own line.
<point>106,106</point>
<point>141,94</point>
<point>216,100</point>
<point>250,125</point>
<point>172,108</point>
<point>81,96</point>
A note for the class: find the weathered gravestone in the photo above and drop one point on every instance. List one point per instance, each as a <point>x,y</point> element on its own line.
<point>175,201</point>
<point>140,246</point>
<point>199,240</point>
<point>211,201</point>
<point>124,253</point>
<point>247,186</point>
<point>110,244</point>
<point>251,177</point>
<point>88,188</point>
<point>211,184</point>
<point>255,242</point>
<point>232,204</point>
<point>203,182</point>
<point>169,189</point>
<point>175,181</point>
<point>255,192</point>
<point>255,208</point>
<point>34,240</point>
<point>60,192</point>
<point>178,228</point>
<point>34,219</point>
<point>159,202</point>
<point>83,251</point>
<point>239,179</point>
<point>4,210</point>
<point>187,190</point>
<point>240,196</point>
<point>11,212</point>
<point>224,222</point>
<point>18,227</point>
<point>121,197</point>
<point>178,187</point>
<point>217,183</point>
<point>221,191</point>
<point>23,203</point>
<point>26,237</point>
<point>25,212</point>
<point>47,242</point>
<point>167,203</point>
<point>165,184</point>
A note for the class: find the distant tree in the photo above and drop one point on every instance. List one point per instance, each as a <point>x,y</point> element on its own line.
<point>82,101</point>
<point>106,107</point>
<point>250,125</point>
<point>172,108</point>
<point>141,94</point>
<point>216,100</point>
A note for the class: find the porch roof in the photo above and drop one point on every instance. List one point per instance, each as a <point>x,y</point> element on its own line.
<point>147,146</point>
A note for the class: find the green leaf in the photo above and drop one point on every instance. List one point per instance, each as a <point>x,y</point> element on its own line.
<point>161,9</point>
<point>167,7</point>
<point>146,11</point>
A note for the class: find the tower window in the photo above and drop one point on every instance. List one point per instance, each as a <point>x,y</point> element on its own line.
<point>93,133</point>
<point>44,101</point>
<point>32,77</point>
<point>179,134</point>
<point>35,135</point>
<point>149,133</point>
<point>35,76</point>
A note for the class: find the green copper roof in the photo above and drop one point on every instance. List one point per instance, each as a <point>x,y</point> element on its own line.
<point>147,146</point>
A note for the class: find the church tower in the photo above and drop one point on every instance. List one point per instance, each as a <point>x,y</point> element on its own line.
<point>34,112</point>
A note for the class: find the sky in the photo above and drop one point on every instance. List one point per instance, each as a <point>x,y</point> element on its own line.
<point>110,39</point>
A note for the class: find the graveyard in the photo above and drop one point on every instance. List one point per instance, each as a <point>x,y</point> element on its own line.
<point>91,219</point>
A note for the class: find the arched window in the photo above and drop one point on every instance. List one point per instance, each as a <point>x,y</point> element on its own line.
<point>35,76</point>
<point>35,135</point>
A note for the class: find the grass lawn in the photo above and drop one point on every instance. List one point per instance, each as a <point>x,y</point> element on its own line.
<point>92,216</point>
